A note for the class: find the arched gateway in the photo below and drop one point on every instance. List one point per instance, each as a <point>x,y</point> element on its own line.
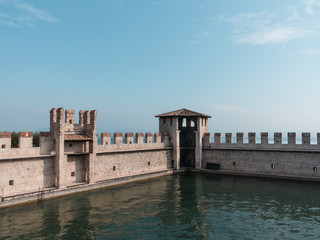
<point>186,129</point>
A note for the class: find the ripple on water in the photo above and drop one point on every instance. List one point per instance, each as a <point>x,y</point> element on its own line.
<point>183,206</point>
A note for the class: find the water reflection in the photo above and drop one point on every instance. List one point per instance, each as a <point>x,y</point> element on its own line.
<point>181,206</point>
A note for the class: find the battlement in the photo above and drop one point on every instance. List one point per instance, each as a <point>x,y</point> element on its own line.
<point>44,134</point>
<point>5,134</point>
<point>68,116</point>
<point>25,140</point>
<point>25,134</point>
<point>130,138</point>
<point>5,140</point>
<point>264,140</point>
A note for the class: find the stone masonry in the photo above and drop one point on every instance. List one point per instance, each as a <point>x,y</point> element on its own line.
<point>69,158</point>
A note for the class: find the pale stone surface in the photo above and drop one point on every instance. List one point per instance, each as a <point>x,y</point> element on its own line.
<point>27,175</point>
<point>264,138</point>
<point>5,141</point>
<point>69,155</point>
<point>300,164</point>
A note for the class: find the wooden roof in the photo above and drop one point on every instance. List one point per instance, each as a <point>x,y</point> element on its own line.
<point>183,113</point>
<point>76,137</point>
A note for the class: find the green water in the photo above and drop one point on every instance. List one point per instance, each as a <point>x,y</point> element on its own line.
<point>184,206</point>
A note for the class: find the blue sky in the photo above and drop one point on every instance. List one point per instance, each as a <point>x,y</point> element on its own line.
<point>252,65</point>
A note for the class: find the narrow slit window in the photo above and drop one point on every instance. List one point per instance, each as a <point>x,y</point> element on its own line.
<point>148,163</point>
<point>114,168</point>
<point>70,121</point>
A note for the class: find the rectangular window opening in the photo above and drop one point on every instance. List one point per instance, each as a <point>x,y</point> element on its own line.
<point>73,174</point>
<point>3,146</point>
<point>184,122</point>
<point>114,168</point>
<point>11,182</point>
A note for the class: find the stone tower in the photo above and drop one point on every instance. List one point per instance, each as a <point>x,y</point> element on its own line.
<point>73,142</point>
<point>186,129</point>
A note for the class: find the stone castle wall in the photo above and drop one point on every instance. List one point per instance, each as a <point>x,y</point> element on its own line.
<point>290,159</point>
<point>69,156</point>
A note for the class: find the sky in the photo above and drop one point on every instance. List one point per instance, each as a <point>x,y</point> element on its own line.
<point>252,65</point>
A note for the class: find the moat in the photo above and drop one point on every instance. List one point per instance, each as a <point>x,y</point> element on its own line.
<point>181,206</point>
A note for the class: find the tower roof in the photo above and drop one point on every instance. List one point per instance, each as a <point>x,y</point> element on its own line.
<point>183,113</point>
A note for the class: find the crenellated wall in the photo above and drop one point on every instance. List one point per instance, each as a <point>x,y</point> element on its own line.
<point>70,156</point>
<point>129,142</point>
<point>24,149</point>
<point>278,138</point>
<point>277,158</point>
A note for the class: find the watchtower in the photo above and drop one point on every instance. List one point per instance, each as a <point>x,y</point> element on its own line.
<point>186,129</point>
<point>74,145</point>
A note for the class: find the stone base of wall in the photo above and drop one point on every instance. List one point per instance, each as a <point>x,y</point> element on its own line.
<point>55,193</point>
<point>260,175</point>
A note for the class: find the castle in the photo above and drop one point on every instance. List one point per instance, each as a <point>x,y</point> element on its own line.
<point>69,158</point>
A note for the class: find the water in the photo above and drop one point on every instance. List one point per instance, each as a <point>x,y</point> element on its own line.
<point>185,206</point>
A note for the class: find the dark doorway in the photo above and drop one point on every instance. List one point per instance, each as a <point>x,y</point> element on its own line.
<point>187,148</point>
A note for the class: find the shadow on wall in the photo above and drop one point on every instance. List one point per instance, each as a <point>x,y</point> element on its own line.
<point>48,173</point>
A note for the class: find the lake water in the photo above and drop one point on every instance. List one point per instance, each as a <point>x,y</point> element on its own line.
<point>183,206</point>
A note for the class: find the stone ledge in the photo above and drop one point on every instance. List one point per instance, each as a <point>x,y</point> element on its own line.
<point>261,149</point>
<point>27,157</point>
<point>74,154</point>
